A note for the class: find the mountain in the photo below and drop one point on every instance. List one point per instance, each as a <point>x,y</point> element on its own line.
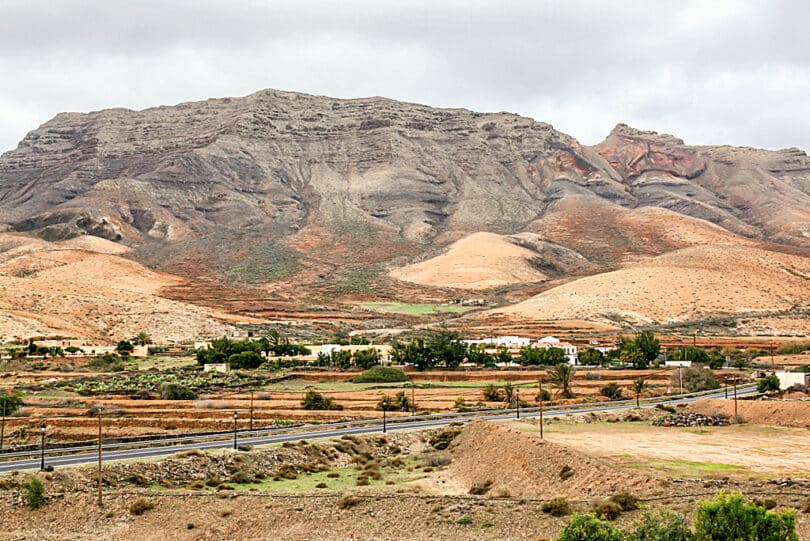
<point>280,203</point>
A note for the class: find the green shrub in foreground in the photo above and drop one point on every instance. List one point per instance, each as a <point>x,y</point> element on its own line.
<point>589,528</point>
<point>729,517</point>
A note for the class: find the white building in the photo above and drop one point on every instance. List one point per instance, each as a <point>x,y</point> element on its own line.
<point>501,341</point>
<point>569,349</point>
<point>788,379</point>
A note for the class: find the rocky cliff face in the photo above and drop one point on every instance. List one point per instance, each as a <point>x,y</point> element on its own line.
<point>279,184</point>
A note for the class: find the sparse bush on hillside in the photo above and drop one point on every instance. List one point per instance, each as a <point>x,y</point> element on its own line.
<point>317,401</point>
<point>33,493</point>
<point>491,393</point>
<point>348,501</point>
<point>612,391</point>
<point>768,383</point>
<point>175,391</point>
<point>558,507</point>
<point>140,506</point>
<point>729,517</point>
<point>442,440</point>
<point>380,374</point>
<point>608,510</point>
<point>479,489</point>
<point>663,525</point>
<point>625,500</point>
<point>793,348</point>
<point>399,402</point>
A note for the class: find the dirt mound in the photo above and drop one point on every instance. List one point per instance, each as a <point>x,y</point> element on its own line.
<point>478,261</point>
<point>521,464</point>
<point>692,283</point>
<point>761,412</point>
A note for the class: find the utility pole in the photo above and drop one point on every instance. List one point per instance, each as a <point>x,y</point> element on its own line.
<point>384,408</point>
<point>773,367</point>
<point>251,411</point>
<point>413,398</point>
<point>100,501</point>
<point>540,386</point>
<point>3,426</point>
<point>517,402</point>
<point>735,398</point>
<point>680,377</point>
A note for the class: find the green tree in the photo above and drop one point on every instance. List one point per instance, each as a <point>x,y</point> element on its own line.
<point>664,525</point>
<point>590,528</point>
<point>631,354</point>
<point>142,339</point>
<point>729,517</point>
<point>398,402</point>
<point>695,379</point>
<point>317,401</point>
<point>612,391</point>
<point>366,358</point>
<point>562,376</point>
<point>10,403</point>
<point>124,347</point>
<point>552,356</point>
<point>446,347</point>
<point>768,383</point>
<point>649,346</point>
<point>591,357</point>
<point>245,359</point>
<point>530,356</point>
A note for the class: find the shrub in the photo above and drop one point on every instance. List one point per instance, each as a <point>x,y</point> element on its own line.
<point>348,501</point>
<point>663,525</point>
<point>399,402</point>
<point>33,493</point>
<point>558,507</point>
<point>607,509</point>
<point>435,461</point>
<point>333,475</point>
<point>443,439</point>
<point>10,402</point>
<point>240,478</point>
<point>806,506</point>
<point>174,391</point>
<point>463,521</point>
<point>729,517</point>
<point>137,479</point>
<point>286,471</point>
<point>380,374</point>
<point>321,485</point>
<point>479,489</point>
<point>625,500</point>
<point>768,383</point>
<point>695,379</point>
<point>317,401</point>
<point>566,472</point>
<point>491,393</point>
<point>612,391</point>
<point>140,506</point>
<point>589,528</point>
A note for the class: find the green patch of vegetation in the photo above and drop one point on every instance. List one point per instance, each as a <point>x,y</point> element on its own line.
<point>265,263</point>
<point>415,309</point>
<point>687,468</point>
<point>358,280</point>
<point>381,374</point>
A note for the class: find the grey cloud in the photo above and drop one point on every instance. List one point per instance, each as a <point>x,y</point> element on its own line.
<point>583,66</point>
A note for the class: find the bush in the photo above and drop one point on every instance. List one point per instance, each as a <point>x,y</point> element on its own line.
<point>348,501</point>
<point>399,402</point>
<point>612,391</point>
<point>317,401</point>
<point>174,391</point>
<point>768,383</point>
<point>664,525</point>
<point>729,517</point>
<point>140,506</point>
<point>566,472</point>
<point>608,510</point>
<point>463,521</point>
<point>33,493</point>
<point>380,374</point>
<point>240,478</point>
<point>589,528</point>
<point>491,393</point>
<point>480,489</point>
<point>10,402</point>
<point>558,507</point>
<point>767,503</point>
<point>695,379</point>
<point>443,439</point>
<point>625,500</point>
<point>806,506</point>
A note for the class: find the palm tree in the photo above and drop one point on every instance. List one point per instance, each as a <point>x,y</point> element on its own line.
<point>562,375</point>
<point>639,385</point>
<point>142,339</point>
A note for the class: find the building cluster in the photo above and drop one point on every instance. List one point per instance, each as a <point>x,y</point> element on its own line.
<point>514,344</point>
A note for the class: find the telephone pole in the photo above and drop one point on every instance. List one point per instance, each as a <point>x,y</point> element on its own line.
<point>100,480</point>
<point>540,386</point>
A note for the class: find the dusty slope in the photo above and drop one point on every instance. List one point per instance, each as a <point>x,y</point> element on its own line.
<point>685,284</point>
<point>81,288</point>
<point>771,412</point>
<point>524,465</point>
<point>478,261</point>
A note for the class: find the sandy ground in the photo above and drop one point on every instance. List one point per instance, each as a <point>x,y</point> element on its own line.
<point>84,287</point>
<point>777,451</point>
<point>685,284</point>
<point>478,261</point>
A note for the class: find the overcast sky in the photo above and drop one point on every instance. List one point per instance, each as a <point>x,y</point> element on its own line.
<point>709,71</point>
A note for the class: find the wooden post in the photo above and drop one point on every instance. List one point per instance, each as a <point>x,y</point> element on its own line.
<point>100,501</point>
<point>735,399</point>
<point>3,426</point>
<point>540,386</point>
<point>251,411</point>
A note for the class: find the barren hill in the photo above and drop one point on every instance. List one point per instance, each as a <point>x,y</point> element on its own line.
<point>690,283</point>
<point>306,200</point>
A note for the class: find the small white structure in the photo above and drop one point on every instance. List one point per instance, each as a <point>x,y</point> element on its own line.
<point>788,379</point>
<point>216,367</point>
<point>569,349</point>
<point>501,341</point>
<point>676,364</point>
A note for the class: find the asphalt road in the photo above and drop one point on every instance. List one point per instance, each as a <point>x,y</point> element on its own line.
<point>155,450</point>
